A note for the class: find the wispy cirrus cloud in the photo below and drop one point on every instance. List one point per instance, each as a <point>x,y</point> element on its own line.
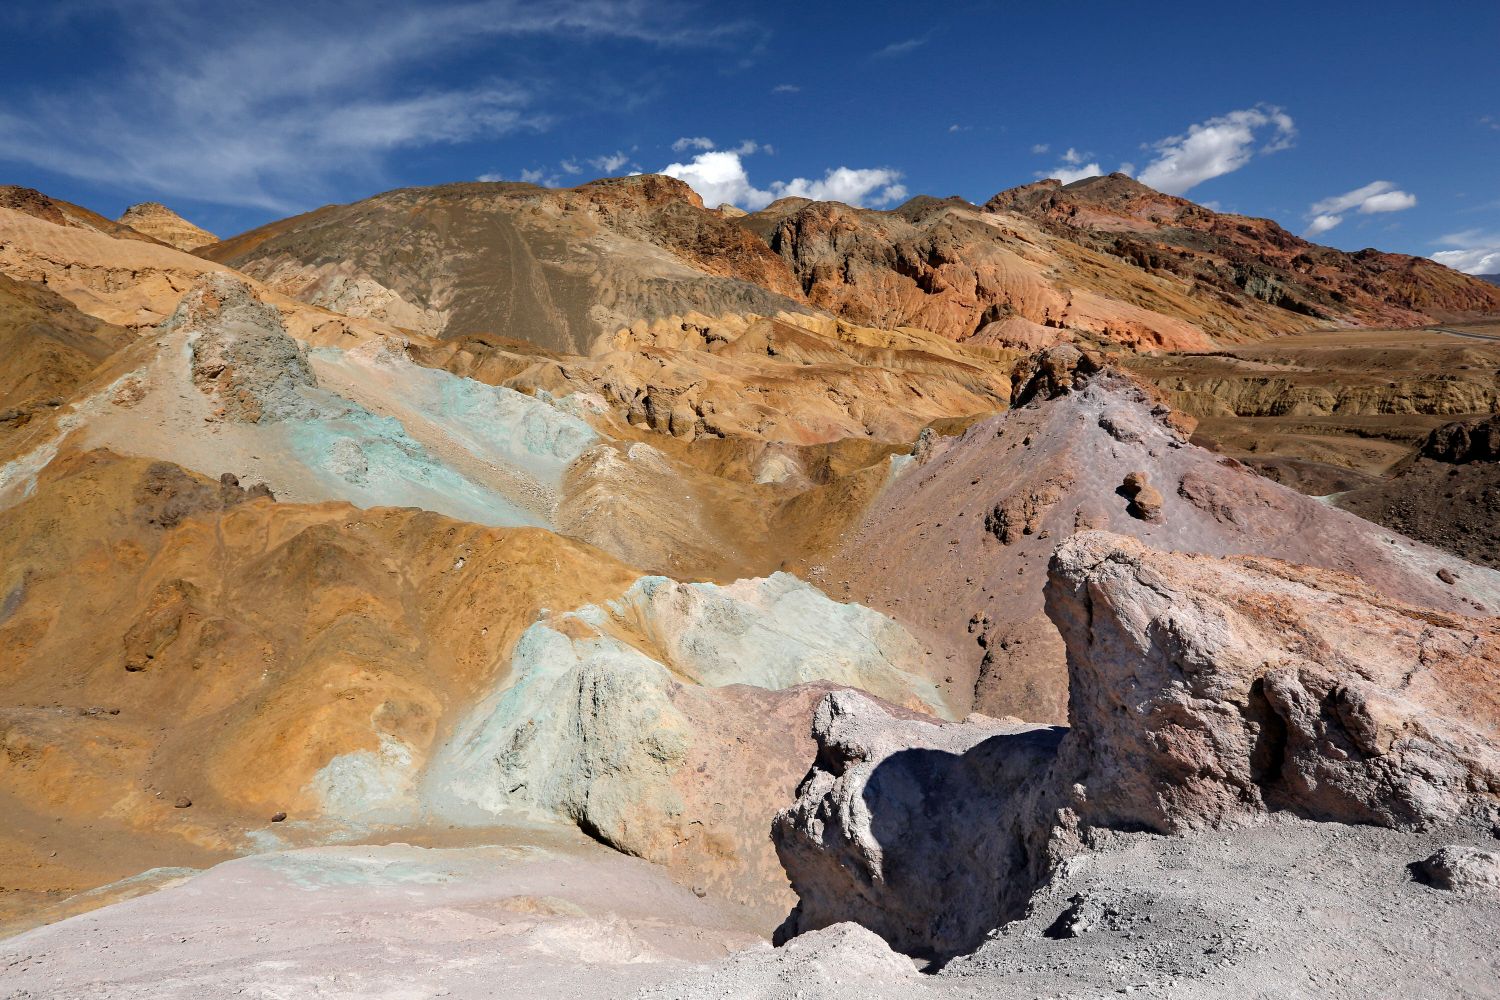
<point>263,104</point>
<point>902,47</point>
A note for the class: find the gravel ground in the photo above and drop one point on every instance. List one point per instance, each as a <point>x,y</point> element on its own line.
<point>1285,909</point>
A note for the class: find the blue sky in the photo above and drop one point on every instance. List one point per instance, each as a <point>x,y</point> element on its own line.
<point>1367,124</point>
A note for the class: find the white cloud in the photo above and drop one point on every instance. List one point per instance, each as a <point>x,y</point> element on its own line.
<point>785,88</point>
<point>1070,174</point>
<point>688,142</point>
<point>1391,201</point>
<point>610,162</point>
<point>1072,168</point>
<point>571,167</point>
<point>719,176</point>
<point>1216,147</point>
<point>1377,196</point>
<point>876,186</point>
<point>533,176</point>
<point>265,104</point>
<point>490,178</point>
<point>902,47</point>
<point>1040,148</point>
<point>1474,252</point>
<point>1322,223</point>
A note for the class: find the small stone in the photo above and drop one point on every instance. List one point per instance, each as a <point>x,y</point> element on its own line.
<point>699,891</point>
<point>1461,869</point>
<point>182,802</point>
<point>1446,577</point>
<point>278,817</point>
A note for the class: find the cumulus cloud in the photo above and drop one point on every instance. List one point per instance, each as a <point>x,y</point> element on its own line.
<point>870,186</point>
<point>1072,168</point>
<point>1070,174</point>
<point>719,176</point>
<point>1216,147</point>
<point>688,142</point>
<point>266,104</point>
<point>1473,252</point>
<point>1375,197</point>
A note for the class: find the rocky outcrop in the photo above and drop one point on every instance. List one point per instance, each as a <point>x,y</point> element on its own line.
<point>964,536</point>
<point>161,223</point>
<point>242,354</point>
<point>1208,691</point>
<point>947,267</point>
<point>1204,693</point>
<point>1464,441</point>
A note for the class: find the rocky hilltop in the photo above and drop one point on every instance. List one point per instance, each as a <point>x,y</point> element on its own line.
<point>1232,257</point>
<point>586,588</point>
<point>159,222</point>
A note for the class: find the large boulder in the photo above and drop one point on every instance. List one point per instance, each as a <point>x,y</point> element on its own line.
<point>904,824</point>
<point>1208,691</point>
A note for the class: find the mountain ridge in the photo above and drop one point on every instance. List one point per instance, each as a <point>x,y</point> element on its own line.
<point>1105,261</point>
